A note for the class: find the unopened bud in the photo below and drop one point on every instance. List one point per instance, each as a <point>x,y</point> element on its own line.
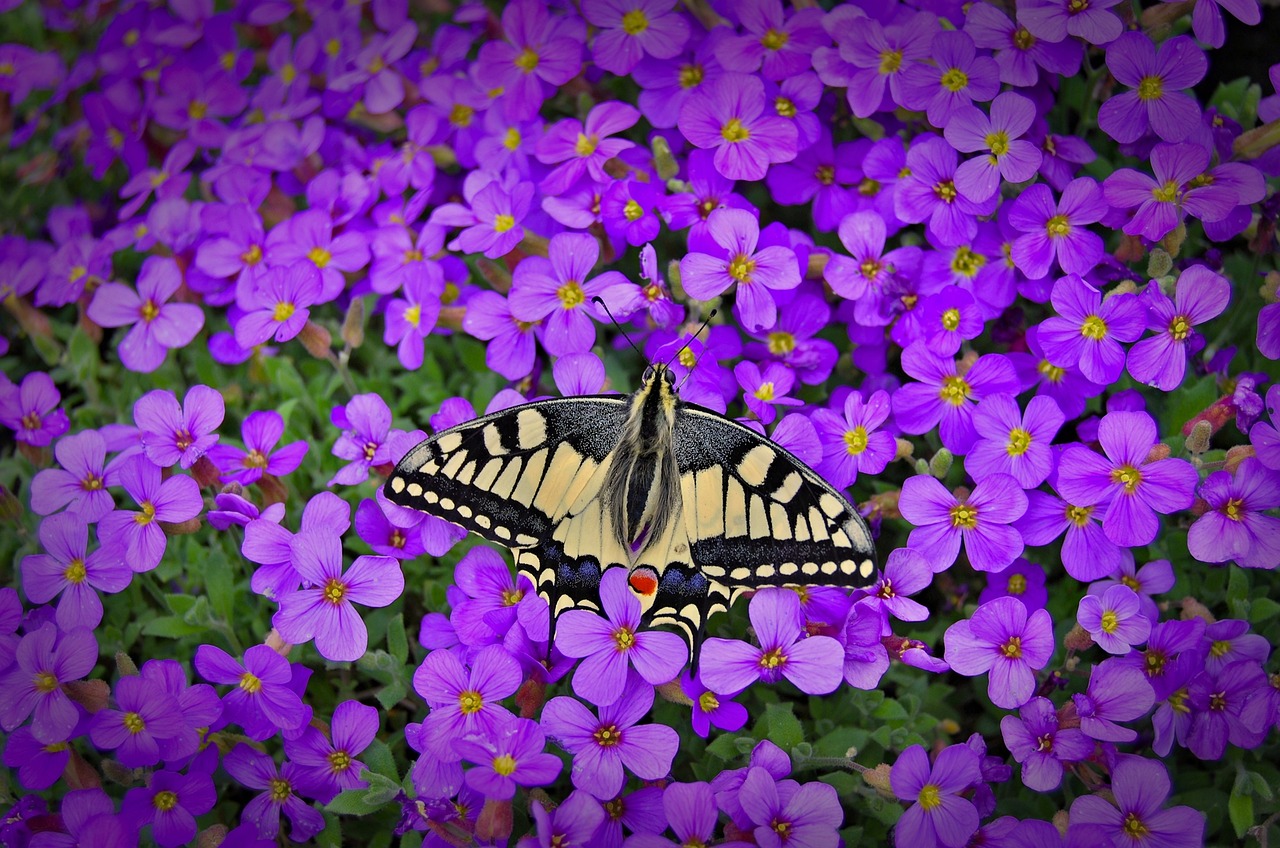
<point>878,779</point>
<point>941,463</point>
<point>277,644</point>
<point>93,695</point>
<point>316,339</point>
<point>212,836</point>
<point>534,244</point>
<point>495,821</point>
<point>663,160</point>
<point>124,664</point>
<point>1122,287</point>
<point>498,277</point>
<point>10,505</point>
<point>205,472</point>
<point>1159,263</point>
<point>816,266</point>
<point>79,774</point>
<point>180,528</point>
<point>353,324</point>
<point>1061,820</point>
<point>949,726</point>
<point>1192,608</point>
<point>922,466</point>
<point>1078,639</point>
<point>905,449</point>
<point>672,691</point>
<point>1270,288</point>
<point>674,282</point>
<point>1237,455</point>
<point>118,774</point>
<point>1173,241</point>
<point>1158,452</point>
<point>1198,440</point>
<point>1255,142</point>
<point>273,491</point>
<point>530,695</point>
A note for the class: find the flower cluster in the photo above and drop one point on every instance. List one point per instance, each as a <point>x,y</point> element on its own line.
<point>982,265</point>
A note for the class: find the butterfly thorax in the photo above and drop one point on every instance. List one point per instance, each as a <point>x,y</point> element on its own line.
<point>642,487</point>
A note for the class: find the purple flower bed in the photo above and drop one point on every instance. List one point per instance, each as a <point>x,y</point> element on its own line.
<point>1006,273</point>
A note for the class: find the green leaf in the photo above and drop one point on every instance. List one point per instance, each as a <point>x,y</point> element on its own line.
<point>723,747</point>
<point>397,639</point>
<point>180,604</point>
<point>1240,809</point>
<point>391,694</point>
<point>1190,401</point>
<point>1263,609</point>
<point>356,802</point>
<point>1258,785</point>
<point>378,757</point>
<point>171,627</point>
<point>782,727</point>
<point>219,583</point>
<point>331,836</point>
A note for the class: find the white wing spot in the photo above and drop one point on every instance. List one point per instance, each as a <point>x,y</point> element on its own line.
<point>788,489</point>
<point>449,442</point>
<point>466,512</point>
<point>754,467</point>
<point>493,440</point>
<point>432,497</point>
<point>848,567</point>
<point>415,490</point>
<point>759,521</point>
<point>739,574</point>
<point>532,428</point>
<point>765,571</point>
<point>781,522</point>
<point>484,522</point>
<point>446,503</point>
<point>502,532</point>
<point>397,484</point>
<point>829,568</point>
<point>788,568</point>
<point>524,540</point>
<point>809,568</point>
<point>454,465</point>
<point>866,568</point>
<point>831,505</point>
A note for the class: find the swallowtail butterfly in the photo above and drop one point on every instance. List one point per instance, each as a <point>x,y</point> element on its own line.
<point>697,507</point>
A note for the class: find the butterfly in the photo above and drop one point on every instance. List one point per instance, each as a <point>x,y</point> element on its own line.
<point>696,506</point>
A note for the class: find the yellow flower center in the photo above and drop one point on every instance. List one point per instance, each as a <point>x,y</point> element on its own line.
<point>741,268</point>
<point>964,516</point>
<point>734,131</point>
<point>954,79</point>
<point>1178,701</point>
<point>461,115</point>
<point>633,211</point>
<point>1128,476</point>
<point>1019,441</point>
<point>280,790</point>
<point>398,539</point>
<point>1044,744</point>
<point>339,762</point>
<point>91,483</point>
<point>44,682</point>
<point>504,764</point>
<point>75,571</point>
<point>624,638</point>
<point>868,187</point>
<point>503,222</point>
<point>966,262</point>
<point>134,723</point>
<point>283,312</point>
<point>512,138</point>
<point>319,256</point>
<point>773,659</point>
<point>998,141</point>
<point>250,682</point>
<point>1220,648</point>
<point>586,144</point>
<point>1180,327</point>
<point>1094,328</point>
<point>1166,193</point>
<point>634,22</point>
<point>413,315</point>
<point>31,421</point>
<point>1154,662</point>
<point>1110,622</point>
<point>1012,649</point>
<point>954,390</point>
<point>1150,88</point>
<point>1058,226</point>
<point>951,319</point>
<point>774,39</point>
<point>1017,584</point>
<point>334,591</point>
<point>1023,40</point>
<point>708,702</point>
<point>855,440</point>
<point>1132,582</point>
<point>946,191</point>
<point>197,109</point>
<point>784,107</point>
<point>470,701</point>
<point>1234,509</point>
<point>930,797</point>
<point>869,269</point>
<point>527,60</point>
<point>1134,828</point>
<point>511,597</point>
<point>690,75</point>
<point>1051,372</point>
<point>781,343</point>
<point>825,174</point>
<point>571,295</point>
<point>890,61</point>
<point>252,256</point>
<point>782,828</point>
<point>147,515</point>
<point>607,737</point>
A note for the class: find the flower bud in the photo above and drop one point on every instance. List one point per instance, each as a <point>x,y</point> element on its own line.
<point>1159,263</point>
<point>941,463</point>
<point>316,339</point>
<point>663,159</point>
<point>1198,440</point>
<point>353,324</point>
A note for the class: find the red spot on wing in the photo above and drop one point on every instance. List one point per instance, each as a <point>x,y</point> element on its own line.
<point>644,582</point>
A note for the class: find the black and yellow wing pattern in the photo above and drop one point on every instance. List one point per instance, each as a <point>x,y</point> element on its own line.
<point>697,507</point>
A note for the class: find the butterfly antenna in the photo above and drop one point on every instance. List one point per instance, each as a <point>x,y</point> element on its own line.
<point>599,301</point>
<point>685,347</point>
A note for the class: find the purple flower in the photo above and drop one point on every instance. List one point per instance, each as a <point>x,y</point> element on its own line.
<point>1133,488</point>
<point>999,139</point>
<point>729,116</point>
<point>1159,202</point>
<point>631,29</point>
<point>630,210</point>
<point>1161,360</point>
<point>257,770</point>
<point>492,224</point>
<point>465,701</point>
<point>307,238</point>
<point>938,816</point>
<point>170,803</point>
<point>1019,54</point>
<point>1114,619</point>
<point>324,611</point>
<point>541,54</point>
<point>943,398</point>
<point>1004,639</point>
<point>1035,740</point>
<point>765,390</point>
<point>332,759</point>
<point>1087,553</point>
<point>494,601</point>
<point>1055,20</point>
<point>602,746</point>
<point>1117,692</point>
<point>1207,23</point>
<point>1140,788</point>
<point>583,148</point>
<point>173,434</point>
<point>145,714</point>
<point>1217,699</point>
<point>1264,436</point>
<point>1090,328</point>
<point>775,43</point>
<point>611,646</point>
<point>277,306</point>
<point>877,59</point>
<point>88,817</point>
<point>1235,527</point>
<point>1014,443</point>
<point>263,701</point>
<point>1057,231</point>
<point>1152,579</point>
<point>929,194</point>
<point>786,813</point>
<point>711,708</point>
<point>137,536</point>
<point>81,484</point>
<point>261,432</point>
<point>559,289</point>
<point>31,410</point>
<point>690,810</point>
<point>757,273</point>
<point>69,569</point>
<point>1022,579</point>
<point>573,823</point>
<point>37,765</point>
<point>510,757</point>
<point>813,664</point>
<point>852,440</point>
<point>366,424</point>
<point>942,521</point>
<point>156,326</point>
<point>1157,101</point>
<point>957,77</point>
<point>511,348</point>
<point>46,659</point>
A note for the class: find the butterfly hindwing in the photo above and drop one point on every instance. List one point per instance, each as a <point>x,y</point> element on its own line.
<point>510,476</point>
